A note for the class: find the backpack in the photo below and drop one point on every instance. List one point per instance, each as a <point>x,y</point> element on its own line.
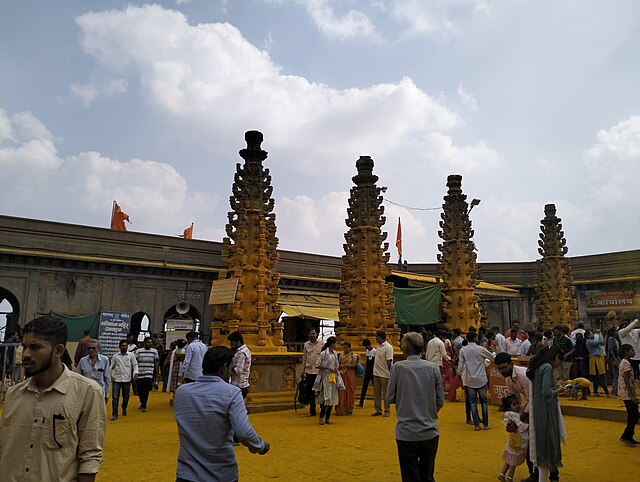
<point>301,396</point>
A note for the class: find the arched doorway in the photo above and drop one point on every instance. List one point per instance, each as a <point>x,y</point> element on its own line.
<point>9,314</point>
<point>140,325</point>
<point>179,320</point>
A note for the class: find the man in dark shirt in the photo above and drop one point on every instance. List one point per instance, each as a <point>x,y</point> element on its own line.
<point>562,341</point>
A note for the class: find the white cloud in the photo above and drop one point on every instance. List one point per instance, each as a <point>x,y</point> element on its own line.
<point>440,150</point>
<point>87,93</point>
<point>211,78</point>
<point>80,188</point>
<point>614,160</point>
<point>439,16</point>
<point>467,98</point>
<point>6,132</point>
<point>350,24</point>
<point>353,23</point>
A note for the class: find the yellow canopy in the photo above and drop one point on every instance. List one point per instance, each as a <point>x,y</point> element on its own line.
<point>316,305</point>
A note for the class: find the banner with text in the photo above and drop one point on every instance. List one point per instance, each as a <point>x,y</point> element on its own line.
<point>223,291</point>
<point>113,327</point>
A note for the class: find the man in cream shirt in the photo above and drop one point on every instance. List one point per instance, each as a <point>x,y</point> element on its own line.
<point>381,373</point>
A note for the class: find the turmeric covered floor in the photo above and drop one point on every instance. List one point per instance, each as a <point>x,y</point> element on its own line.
<point>144,447</point>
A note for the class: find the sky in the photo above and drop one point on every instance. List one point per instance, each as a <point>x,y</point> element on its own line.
<point>147,104</point>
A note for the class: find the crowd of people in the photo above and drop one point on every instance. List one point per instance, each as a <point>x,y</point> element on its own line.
<point>64,401</point>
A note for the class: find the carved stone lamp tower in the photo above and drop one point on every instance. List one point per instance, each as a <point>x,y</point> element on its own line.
<point>556,304</point>
<point>458,260</point>
<point>366,299</point>
<point>249,254</point>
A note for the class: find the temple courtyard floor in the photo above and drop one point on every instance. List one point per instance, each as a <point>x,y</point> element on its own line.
<point>144,447</point>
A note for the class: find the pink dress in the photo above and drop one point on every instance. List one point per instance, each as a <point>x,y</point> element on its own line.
<point>515,451</point>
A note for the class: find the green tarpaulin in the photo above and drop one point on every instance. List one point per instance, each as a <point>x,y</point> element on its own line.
<point>77,324</point>
<point>417,306</point>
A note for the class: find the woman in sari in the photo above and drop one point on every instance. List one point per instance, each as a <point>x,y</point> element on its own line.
<point>448,374</point>
<point>175,361</point>
<point>326,384</point>
<point>546,425</point>
<point>347,370</point>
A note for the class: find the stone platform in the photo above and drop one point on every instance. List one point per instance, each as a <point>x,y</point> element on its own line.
<point>599,408</point>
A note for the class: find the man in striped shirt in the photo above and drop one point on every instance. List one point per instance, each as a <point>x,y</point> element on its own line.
<point>148,367</point>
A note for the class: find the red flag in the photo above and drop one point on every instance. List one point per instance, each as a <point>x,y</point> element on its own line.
<point>399,238</point>
<point>188,233</point>
<point>118,218</point>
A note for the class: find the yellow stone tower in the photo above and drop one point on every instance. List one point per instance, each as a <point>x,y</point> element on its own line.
<point>556,303</point>
<point>366,299</point>
<point>457,260</point>
<point>249,254</point>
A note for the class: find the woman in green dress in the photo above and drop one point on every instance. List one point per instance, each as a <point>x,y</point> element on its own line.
<point>547,428</point>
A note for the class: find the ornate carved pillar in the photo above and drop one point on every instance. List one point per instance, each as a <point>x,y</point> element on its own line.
<point>556,304</point>
<point>457,260</point>
<point>366,298</point>
<point>249,253</point>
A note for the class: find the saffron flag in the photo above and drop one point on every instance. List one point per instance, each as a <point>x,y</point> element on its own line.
<point>118,218</point>
<point>188,233</point>
<point>399,238</point>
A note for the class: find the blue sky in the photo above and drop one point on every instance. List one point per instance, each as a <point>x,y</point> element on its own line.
<point>532,103</point>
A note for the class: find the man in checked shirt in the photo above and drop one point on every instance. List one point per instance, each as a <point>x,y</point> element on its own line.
<point>240,364</point>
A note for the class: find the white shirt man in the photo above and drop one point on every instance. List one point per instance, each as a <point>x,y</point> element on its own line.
<point>500,339</point>
<point>512,345</point>
<point>310,356</point>
<point>524,348</point>
<point>436,351</point>
<point>381,373</point>
<point>631,335</point>
<point>474,377</point>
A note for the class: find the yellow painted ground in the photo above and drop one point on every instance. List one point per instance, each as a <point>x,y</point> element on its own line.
<point>144,447</point>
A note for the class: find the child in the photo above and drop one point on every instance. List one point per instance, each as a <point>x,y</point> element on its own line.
<point>517,442</point>
<point>578,385</point>
<point>627,393</point>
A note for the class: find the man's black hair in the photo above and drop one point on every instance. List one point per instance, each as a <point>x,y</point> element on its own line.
<point>502,357</point>
<point>366,342</point>
<point>236,336</point>
<point>50,328</point>
<point>215,359</point>
<point>471,336</point>
<point>382,334</point>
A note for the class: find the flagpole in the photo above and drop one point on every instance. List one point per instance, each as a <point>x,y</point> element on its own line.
<point>113,210</point>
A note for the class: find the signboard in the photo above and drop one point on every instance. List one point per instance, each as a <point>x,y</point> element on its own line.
<point>498,386</point>
<point>223,291</point>
<point>113,327</point>
<point>603,299</point>
<point>179,324</point>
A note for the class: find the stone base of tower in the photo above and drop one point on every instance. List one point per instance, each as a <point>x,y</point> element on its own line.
<point>257,342</point>
<point>356,335</point>
<point>273,379</point>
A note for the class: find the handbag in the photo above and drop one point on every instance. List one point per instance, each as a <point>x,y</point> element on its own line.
<point>359,369</point>
<point>331,378</point>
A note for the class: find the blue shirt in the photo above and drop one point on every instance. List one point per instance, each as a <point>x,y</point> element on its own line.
<point>100,372</point>
<point>595,346</point>
<point>208,412</point>
<point>192,366</point>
